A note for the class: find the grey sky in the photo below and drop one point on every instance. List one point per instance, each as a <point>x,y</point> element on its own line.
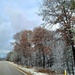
<point>16,15</point>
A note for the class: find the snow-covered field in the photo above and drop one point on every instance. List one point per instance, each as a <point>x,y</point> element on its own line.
<point>31,70</point>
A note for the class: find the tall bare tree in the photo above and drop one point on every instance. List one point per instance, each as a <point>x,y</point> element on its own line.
<point>60,12</point>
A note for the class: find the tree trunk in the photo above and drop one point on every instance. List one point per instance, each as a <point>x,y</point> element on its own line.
<point>43,60</point>
<point>73,49</point>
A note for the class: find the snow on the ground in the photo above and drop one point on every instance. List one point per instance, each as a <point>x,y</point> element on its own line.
<point>31,70</point>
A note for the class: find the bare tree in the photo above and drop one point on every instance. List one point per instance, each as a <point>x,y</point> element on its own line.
<point>41,40</point>
<point>60,12</point>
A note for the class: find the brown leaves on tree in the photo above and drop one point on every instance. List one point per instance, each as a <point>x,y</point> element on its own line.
<point>25,42</point>
<point>41,38</point>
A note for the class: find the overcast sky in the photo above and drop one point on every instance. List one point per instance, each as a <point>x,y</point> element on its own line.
<point>16,15</point>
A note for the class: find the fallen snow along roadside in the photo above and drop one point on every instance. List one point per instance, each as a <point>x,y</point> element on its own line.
<point>31,70</point>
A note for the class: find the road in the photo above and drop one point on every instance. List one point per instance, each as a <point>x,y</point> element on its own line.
<point>8,69</point>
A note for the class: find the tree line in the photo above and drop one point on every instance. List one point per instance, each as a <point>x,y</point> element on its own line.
<point>32,47</point>
<point>43,48</point>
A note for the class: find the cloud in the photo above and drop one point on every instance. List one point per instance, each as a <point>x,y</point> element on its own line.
<point>19,19</point>
<point>16,15</point>
<point>6,32</point>
<point>3,53</point>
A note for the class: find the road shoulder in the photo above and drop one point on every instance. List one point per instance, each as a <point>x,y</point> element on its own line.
<point>19,69</point>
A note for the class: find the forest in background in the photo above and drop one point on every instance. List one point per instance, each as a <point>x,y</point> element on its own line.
<point>43,47</point>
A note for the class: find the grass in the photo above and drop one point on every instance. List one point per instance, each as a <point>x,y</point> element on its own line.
<point>46,71</point>
<point>27,67</point>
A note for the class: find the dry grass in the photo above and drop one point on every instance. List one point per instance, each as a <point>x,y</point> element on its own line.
<point>27,67</point>
<point>46,71</point>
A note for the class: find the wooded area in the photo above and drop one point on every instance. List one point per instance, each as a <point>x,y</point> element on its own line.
<point>45,48</point>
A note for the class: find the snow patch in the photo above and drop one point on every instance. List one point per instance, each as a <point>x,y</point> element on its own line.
<point>31,70</point>
<point>52,27</point>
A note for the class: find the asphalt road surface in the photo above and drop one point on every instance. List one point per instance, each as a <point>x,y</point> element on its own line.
<point>8,69</point>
